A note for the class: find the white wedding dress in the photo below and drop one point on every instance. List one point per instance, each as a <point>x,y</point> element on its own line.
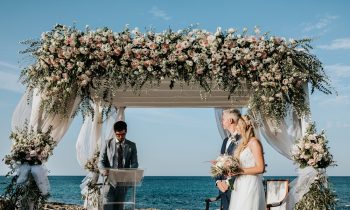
<point>248,192</point>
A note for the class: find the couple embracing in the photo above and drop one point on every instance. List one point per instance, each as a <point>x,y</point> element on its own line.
<point>248,191</point>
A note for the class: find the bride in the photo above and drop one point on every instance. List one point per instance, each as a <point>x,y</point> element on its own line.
<point>248,192</point>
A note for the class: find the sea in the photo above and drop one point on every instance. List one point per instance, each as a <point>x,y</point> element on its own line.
<point>172,192</point>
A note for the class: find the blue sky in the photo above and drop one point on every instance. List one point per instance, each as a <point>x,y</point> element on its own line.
<point>181,141</point>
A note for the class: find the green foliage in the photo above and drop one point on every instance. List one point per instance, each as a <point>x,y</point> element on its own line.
<point>319,197</point>
<point>18,196</point>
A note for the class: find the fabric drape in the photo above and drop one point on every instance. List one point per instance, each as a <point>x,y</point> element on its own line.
<point>29,111</point>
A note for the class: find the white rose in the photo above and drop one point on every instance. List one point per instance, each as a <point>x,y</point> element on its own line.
<point>311,137</point>
<point>231,30</point>
<point>33,153</point>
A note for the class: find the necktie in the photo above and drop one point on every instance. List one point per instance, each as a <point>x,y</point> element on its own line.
<point>120,156</point>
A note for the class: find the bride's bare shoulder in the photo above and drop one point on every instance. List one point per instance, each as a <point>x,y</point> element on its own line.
<point>254,142</point>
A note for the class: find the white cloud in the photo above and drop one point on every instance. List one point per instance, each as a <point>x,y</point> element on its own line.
<point>321,26</point>
<point>338,71</point>
<point>337,44</point>
<point>9,81</point>
<point>337,124</point>
<point>334,100</point>
<point>8,65</point>
<point>158,13</point>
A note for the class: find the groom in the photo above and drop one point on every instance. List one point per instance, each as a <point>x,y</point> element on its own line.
<point>117,153</point>
<point>229,122</point>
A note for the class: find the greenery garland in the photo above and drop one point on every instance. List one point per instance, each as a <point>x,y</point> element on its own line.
<point>95,64</point>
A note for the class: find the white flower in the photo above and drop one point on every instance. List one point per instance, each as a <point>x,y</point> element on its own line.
<point>279,95</point>
<point>307,145</point>
<point>211,39</point>
<point>231,30</point>
<point>311,137</point>
<point>218,31</point>
<point>311,162</point>
<point>33,153</point>
<point>256,30</point>
<point>190,63</point>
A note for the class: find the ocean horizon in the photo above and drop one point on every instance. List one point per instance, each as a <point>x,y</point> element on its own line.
<point>172,192</point>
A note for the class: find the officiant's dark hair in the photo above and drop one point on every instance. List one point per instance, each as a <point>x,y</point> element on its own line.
<point>120,126</point>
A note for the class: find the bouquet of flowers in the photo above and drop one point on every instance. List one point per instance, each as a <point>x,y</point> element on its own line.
<point>312,150</point>
<point>30,146</point>
<point>91,164</point>
<point>91,191</point>
<point>225,164</point>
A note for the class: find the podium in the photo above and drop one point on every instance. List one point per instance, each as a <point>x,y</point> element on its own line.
<point>119,189</point>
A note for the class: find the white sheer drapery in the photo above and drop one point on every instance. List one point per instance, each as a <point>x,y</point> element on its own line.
<point>282,139</point>
<point>29,111</point>
<point>92,133</point>
<point>89,138</point>
<point>218,118</point>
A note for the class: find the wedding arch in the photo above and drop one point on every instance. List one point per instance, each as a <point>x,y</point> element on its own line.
<point>99,73</point>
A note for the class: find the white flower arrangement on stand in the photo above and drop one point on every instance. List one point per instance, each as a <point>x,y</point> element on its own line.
<point>90,190</point>
<point>29,187</point>
<point>312,151</point>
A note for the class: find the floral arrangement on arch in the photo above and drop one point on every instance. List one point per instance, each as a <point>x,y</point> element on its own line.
<point>312,151</point>
<point>94,64</point>
<point>30,146</point>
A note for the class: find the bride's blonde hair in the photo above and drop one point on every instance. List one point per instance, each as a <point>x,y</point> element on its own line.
<point>246,130</point>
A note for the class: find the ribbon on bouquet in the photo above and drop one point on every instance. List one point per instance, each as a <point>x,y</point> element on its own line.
<point>39,173</point>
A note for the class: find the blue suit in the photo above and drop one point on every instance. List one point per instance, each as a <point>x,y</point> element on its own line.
<point>107,159</point>
<point>109,149</point>
<point>226,196</point>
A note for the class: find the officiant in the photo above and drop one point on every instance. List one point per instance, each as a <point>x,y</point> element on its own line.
<point>116,153</point>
